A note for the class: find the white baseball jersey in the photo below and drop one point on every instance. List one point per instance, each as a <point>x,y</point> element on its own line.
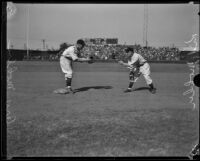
<point>71,53</point>
<point>136,61</point>
<point>137,58</point>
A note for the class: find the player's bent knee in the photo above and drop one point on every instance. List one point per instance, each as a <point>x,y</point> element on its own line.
<point>148,79</point>
<point>135,80</point>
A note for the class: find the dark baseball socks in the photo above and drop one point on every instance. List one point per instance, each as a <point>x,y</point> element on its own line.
<point>68,82</point>
<point>130,85</point>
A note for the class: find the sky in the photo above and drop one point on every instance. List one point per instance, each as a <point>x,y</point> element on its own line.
<point>167,25</point>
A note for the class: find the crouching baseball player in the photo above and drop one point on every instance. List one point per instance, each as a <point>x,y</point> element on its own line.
<point>137,65</point>
<point>67,58</point>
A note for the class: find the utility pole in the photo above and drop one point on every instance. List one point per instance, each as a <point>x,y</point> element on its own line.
<point>145,25</point>
<point>43,41</point>
<point>27,32</point>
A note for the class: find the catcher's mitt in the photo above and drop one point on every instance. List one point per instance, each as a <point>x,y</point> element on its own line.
<point>91,60</point>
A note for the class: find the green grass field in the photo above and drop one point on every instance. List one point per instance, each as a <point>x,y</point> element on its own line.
<point>100,120</point>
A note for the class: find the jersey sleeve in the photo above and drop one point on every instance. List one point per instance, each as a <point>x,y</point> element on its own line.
<point>70,52</point>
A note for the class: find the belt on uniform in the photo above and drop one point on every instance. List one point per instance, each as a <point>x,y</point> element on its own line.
<point>143,63</point>
<point>66,57</point>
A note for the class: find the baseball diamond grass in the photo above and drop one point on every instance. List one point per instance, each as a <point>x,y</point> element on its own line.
<point>100,120</point>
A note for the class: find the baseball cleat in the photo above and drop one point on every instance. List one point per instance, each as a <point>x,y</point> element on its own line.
<point>127,90</point>
<point>153,91</point>
<point>69,91</point>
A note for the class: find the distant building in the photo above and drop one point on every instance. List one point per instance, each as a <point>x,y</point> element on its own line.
<point>101,41</point>
<point>112,41</point>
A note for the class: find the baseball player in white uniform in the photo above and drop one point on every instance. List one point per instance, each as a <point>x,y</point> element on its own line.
<point>137,65</point>
<point>67,58</point>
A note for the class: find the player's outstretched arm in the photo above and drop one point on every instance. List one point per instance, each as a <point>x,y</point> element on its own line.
<point>124,64</point>
<point>90,60</point>
<point>83,59</point>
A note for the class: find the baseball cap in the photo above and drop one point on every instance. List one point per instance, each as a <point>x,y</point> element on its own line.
<point>80,41</point>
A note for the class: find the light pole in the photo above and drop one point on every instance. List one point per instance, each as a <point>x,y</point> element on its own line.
<point>27,32</point>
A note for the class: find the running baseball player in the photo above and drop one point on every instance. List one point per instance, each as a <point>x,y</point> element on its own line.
<point>68,56</point>
<point>137,65</point>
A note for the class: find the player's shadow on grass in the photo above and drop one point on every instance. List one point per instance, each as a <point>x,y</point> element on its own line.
<point>82,89</point>
<point>141,88</point>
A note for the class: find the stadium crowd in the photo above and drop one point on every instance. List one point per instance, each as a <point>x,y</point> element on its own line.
<point>107,52</point>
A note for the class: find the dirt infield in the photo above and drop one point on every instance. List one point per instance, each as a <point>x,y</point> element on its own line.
<point>99,119</point>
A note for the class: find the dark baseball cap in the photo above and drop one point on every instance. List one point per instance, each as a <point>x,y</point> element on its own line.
<point>80,41</point>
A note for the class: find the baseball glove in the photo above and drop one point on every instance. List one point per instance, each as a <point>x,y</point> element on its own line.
<point>91,60</point>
